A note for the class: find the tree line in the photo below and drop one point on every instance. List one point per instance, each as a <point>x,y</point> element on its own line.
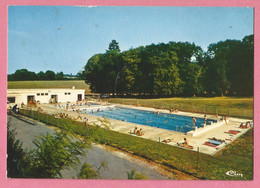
<point>174,69</point>
<point>24,74</point>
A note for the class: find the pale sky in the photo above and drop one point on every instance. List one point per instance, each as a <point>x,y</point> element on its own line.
<point>63,38</point>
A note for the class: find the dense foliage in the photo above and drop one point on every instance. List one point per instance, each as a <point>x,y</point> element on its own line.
<point>53,154</point>
<point>174,69</point>
<point>15,154</point>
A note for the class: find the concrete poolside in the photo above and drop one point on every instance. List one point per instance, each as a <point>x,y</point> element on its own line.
<point>153,133</point>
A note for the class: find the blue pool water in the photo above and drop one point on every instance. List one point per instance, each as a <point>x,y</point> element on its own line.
<point>163,120</point>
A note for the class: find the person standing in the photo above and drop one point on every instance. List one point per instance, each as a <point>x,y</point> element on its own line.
<point>205,119</point>
<point>193,121</point>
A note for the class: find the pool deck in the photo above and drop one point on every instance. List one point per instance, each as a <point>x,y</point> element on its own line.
<point>155,134</point>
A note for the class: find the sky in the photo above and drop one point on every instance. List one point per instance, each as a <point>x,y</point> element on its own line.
<point>63,38</point>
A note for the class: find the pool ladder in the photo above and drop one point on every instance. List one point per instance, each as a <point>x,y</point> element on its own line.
<point>179,129</point>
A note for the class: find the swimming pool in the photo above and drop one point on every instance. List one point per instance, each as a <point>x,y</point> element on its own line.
<point>162,120</point>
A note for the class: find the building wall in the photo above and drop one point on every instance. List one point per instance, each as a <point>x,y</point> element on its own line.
<point>44,95</point>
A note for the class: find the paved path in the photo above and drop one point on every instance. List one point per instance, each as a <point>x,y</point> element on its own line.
<point>118,163</point>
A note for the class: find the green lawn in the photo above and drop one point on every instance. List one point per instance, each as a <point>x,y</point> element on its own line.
<point>231,106</point>
<point>79,84</point>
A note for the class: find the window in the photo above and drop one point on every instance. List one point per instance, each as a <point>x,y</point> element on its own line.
<point>46,93</point>
<point>68,93</point>
<point>38,94</point>
<point>42,93</point>
<point>11,99</point>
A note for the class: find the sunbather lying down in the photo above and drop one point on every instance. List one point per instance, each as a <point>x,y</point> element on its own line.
<point>185,146</point>
<point>167,140</point>
<point>216,139</point>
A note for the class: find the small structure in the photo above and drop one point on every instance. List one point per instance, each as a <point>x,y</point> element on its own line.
<point>27,96</point>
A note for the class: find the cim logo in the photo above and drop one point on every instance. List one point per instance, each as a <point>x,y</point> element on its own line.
<point>234,173</point>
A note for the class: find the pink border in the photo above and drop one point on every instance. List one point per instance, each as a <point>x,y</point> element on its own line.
<point>122,183</point>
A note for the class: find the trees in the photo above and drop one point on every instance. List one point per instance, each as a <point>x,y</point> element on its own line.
<point>166,81</point>
<point>190,64</point>
<point>50,75</point>
<point>114,45</point>
<point>171,69</point>
<point>101,70</point>
<point>59,76</point>
<point>24,74</point>
<point>230,67</point>
<point>94,73</point>
<point>41,76</point>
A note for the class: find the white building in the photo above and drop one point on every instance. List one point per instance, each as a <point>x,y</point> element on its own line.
<point>18,96</point>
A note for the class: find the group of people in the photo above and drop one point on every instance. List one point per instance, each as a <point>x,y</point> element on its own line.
<point>66,116</point>
<point>139,132</point>
<point>15,109</point>
<point>33,103</point>
<point>246,126</point>
<point>173,110</point>
<point>73,106</point>
<point>85,121</point>
<point>62,115</point>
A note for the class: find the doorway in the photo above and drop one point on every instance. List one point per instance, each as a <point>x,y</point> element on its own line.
<point>54,98</point>
<point>30,99</point>
<point>79,97</point>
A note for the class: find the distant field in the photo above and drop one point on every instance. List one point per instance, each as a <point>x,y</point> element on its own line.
<point>231,106</point>
<point>79,84</point>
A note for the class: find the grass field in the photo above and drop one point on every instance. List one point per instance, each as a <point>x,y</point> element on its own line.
<point>231,106</point>
<point>79,84</point>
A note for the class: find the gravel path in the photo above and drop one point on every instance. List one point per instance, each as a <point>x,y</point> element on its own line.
<point>118,163</point>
